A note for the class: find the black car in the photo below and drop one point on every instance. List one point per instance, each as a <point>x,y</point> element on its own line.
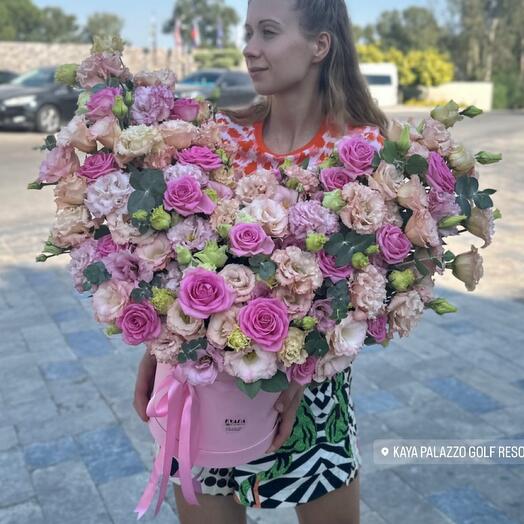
<point>225,87</point>
<point>35,101</point>
<point>6,76</point>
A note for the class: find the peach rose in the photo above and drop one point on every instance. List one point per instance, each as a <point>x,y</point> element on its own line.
<point>110,298</point>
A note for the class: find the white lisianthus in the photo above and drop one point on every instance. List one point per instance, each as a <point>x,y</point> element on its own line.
<point>250,366</point>
<point>348,337</point>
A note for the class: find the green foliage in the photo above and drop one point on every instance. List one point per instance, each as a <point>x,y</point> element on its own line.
<point>189,349</point>
<point>149,186</point>
<point>228,58</point>
<point>316,344</point>
<point>96,273</point>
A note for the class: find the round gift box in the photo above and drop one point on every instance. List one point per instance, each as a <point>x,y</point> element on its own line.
<point>233,428</point>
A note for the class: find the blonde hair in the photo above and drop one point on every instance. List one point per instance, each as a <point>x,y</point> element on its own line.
<point>346,99</point>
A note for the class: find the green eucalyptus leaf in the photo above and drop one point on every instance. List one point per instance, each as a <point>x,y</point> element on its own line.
<point>251,389</point>
<point>141,200</point>
<point>390,152</point>
<point>316,344</point>
<point>278,382</point>
<point>464,204</point>
<point>96,273</point>
<point>416,165</point>
<point>483,201</point>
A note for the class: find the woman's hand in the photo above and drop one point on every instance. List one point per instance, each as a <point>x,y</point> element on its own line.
<point>144,383</point>
<point>287,405</point>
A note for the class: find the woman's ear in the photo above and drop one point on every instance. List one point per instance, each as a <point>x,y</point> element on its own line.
<point>322,47</point>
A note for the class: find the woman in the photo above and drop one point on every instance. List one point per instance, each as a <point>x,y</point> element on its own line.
<point>301,56</point>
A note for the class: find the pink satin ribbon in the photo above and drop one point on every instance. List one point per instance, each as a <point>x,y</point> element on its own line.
<point>175,399</point>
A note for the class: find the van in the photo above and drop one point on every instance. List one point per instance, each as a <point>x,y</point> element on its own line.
<point>382,79</point>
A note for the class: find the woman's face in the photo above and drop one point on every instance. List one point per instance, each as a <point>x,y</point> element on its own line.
<point>275,43</point>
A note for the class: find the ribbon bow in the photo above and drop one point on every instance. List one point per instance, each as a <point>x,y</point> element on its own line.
<point>175,399</point>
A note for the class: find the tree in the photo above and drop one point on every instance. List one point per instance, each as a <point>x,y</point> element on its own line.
<point>206,14</point>
<point>19,20</point>
<point>412,28</point>
<point>56,26</point>
<point>102,24</point>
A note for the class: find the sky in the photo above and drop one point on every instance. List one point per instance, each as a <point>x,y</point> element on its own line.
<point>139,15</point>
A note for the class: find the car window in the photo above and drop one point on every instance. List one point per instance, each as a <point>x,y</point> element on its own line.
<point>201,77</point>
<point>379,80</point>
<point>35,78</point>
<point>237,79</point>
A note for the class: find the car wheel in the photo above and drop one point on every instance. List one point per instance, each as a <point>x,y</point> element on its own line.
<point>47,119</point>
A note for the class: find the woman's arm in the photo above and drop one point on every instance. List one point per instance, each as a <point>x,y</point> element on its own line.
<point>144,383</point>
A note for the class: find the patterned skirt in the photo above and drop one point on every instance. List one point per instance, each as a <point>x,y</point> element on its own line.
<point>320,455</point>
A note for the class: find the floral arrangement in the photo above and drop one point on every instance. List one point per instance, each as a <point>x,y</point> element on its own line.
<point>283,275</point>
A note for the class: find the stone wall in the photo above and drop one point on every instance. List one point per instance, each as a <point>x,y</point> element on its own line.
<point>23,56</point>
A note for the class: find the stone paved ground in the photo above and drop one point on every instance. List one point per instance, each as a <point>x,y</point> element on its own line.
<point>73,450</point>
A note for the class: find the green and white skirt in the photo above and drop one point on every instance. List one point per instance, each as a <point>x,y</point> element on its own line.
<point>320,455</point>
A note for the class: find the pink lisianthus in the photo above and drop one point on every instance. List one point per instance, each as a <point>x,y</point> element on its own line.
<point>394,244</point>
<point>311,217</point>
<point>328,266</point>
<point>100,104</point>
<point>98,67</point>
<point>127,267</point>
<point>302,373</point>
<point>151,104</point>
<point>185,196</point>
<point>439,175</point>
<point>297,305</point>
<point>202,372</point>
<point>185,109</point>
<point>441,204</point>
<point>336,177</point>
<point>98,165</point>
<point>330,364</point>
<point>322,311</point>
<point>356,154</point>
<point>59,162</point>
<point>249,240</point>
<point>266,322</point>
<point>201,156</point>
<point>377,328</point>
<point>203,293</point>
<point>139,323</point>
<point>110,298</point>
<point>106,245</point>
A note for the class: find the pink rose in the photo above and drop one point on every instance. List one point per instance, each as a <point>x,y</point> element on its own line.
<point>101,103</point>
<point>439,175</point>
<point>106,245</point>
<point>377,328</point>
<point>203,293</point>
<point>201,156</point>
<point>185,196</point>
<point>302,373</point>
<point>247,240</point>
<point>59,162</point>
<point>139,323</point>
<point>336,178</point>
<point>185,109</point>
<point>327,265</point>
<point>357,154</point>
<point>266,322</point>
<point>98,165</point>
<point>394,244</point>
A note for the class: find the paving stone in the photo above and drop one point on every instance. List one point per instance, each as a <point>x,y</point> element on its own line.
<point>25,513</point>
<point>44,454</point>
<point>8,438</point>
<point>376,402</point>
<point>16,482</point>
<point>372,518</point>
<point>507,420</point>
<point>467,397</point>
<point>465,505</point>
<point>122,495</point>
<point>74,397</point>
<point>68,495</point>
<point>272,516</point>
<point>87,344</point>
<point>35,410</point>
<point>108,454</point>
<point>63,370</point>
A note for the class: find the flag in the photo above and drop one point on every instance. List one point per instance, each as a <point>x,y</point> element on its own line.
<point>220,33</point>
<point>177,34</point>
<point>195,33</point>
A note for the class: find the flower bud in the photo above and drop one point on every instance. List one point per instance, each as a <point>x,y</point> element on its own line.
<point>497,214</point>
<point>212,254</point>
<point>119,107</point>
<point>41,258</point>
<point>140,215</point>
<point>183,255</point>
<point>359,260</point>
<point>402,280</point>
<point>66,74</point>
<point>162,299</point>
<point>468,268</point>
<point>223,230</point>
<point>81,104</point>
<point>460,159</point>
<point>441,306</point>
<point>486,158</point>
<point>472,111</point>
<point>373,249</point>
<point>160,219</point>
<point>333,200</point>
<point>451,221</point>
<point>309,323</point>
<point>481,224</point>
<point>315,242</point>
<point>292,183</point>
<point>404,143</point>
<point>449,114</point>
<point>128,99</point>
<point>212,194</point>
<point>35,185</point>
<point>238,340</point>
<point>107,43</point>
<point>244,218</point>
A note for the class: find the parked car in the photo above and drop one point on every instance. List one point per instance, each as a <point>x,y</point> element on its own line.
<point>35,101</point>
<point>382,79</point>
<point>6,76</point>
<point>225,87</point>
